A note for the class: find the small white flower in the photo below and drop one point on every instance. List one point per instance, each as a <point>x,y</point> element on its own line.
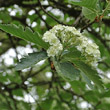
<point>54,50</point>
<point>51,51</point>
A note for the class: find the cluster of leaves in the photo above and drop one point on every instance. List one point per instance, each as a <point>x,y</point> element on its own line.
<point>91,9</point>
<point>66,89</point>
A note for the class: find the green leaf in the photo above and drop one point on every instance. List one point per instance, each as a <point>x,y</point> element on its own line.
<point>90,73</point>
<point>66,95</point>
<point>23,105</point>
<point>87,80</point>
<point>89,14</point>
<point>25,34</point>
<point>4,106</point>
<point>108,6</point>
<point>31,59</point>
<point>47,104</point>
<point>66,70</point>
<point>106,94</point>
<point>91,4</point>
<point>78,86</point>
<point>72,55</point>
<point>3,78</point>
<point>103,106</point>
<point>5,17</point>
<point>94,94</point>
<point>18,92</point>
<point>89,7</point>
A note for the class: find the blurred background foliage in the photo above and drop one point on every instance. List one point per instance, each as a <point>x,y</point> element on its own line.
<point>38,87</point>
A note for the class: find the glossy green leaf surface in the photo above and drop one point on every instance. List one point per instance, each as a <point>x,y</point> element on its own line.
<point>89,14</point>
<point>67,70</point>
<point>90,73</point>
<point>30,60</point>
<point>24,33</point>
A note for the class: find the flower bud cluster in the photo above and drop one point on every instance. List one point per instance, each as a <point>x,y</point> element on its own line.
<point>61,35</point>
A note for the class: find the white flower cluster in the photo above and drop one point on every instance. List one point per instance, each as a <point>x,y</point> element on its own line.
<point>55,43</point>
<point>61,36</point>
<point>90,50</point>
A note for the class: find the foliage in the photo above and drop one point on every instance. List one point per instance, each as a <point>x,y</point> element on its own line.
<point>26,34</point>
<point>63,80</point>
<point>31,59</point>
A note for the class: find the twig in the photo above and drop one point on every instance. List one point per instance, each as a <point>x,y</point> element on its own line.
<point>34,74</point>
<point>13,45</point>
<point>48,27</point>
<point>95,107</point>
<point>77,20</point>
<point>101,62</point>
<point>8,102</point>
<point>98,36</point>
<point>61,98</point>
<point>50,14</point>
<point>86,26</point>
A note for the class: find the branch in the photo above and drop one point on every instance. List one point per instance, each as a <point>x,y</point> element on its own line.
<point>77,20</point>
<point>98,36</point>
<point>34,74</point>
<point>86,26</point>
<point>55,19</point>
<point>37,12</point>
